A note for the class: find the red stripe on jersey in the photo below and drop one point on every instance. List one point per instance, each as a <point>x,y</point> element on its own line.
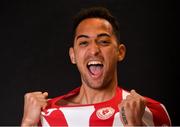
<point>56,118</point>
<point>104,112</point>
<point>160,117</point>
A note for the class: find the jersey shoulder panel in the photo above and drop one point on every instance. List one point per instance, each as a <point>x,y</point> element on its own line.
<point>52,101</point>
<point>159,112</point>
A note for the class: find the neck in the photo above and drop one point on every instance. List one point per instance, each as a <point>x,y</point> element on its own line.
<point>89,95</point>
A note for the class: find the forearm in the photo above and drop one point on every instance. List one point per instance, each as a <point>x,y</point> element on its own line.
<point>28,123</point>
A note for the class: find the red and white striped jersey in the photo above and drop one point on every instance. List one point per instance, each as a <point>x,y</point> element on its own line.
<point>99,114</point>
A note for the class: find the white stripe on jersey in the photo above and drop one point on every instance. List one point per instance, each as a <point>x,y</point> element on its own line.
<point>44,122</point>
<point>124,94</point>
<point>148,117</point>
<point>117,120</point>
<point>78,116</point>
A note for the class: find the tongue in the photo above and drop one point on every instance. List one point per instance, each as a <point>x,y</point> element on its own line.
<point>95,70</point>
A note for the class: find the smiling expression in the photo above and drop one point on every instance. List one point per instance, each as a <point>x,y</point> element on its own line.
<point>96,53</point>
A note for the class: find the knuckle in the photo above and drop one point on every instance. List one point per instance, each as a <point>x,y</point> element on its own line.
<point>138,100</point>
<point>28,95</point>
<point>128,97</point>
<point>32,99</point>
<point>126,104</point>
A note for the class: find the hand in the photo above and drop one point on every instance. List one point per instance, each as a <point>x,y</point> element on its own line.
<point>33,103</point>
<point>132,109</point>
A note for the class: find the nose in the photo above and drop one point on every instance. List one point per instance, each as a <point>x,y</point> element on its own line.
<point>94,48</point>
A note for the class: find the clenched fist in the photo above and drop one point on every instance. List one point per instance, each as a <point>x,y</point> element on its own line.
<point>132,109</point>
<point>33,103</point>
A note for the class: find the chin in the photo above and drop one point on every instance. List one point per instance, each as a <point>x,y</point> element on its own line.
<point>97,86</point>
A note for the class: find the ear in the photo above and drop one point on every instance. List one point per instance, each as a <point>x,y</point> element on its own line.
<point>72,55</point>
<point>121,52</point>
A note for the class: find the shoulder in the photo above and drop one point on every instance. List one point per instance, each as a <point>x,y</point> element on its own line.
<point>158,112</point>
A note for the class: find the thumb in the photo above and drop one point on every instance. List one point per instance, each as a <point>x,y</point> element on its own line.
<point>45,94</point>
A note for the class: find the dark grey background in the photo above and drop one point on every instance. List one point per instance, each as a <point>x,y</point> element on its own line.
<point>35,37</point>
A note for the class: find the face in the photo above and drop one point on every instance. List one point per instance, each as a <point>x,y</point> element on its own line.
<point>96,53</point>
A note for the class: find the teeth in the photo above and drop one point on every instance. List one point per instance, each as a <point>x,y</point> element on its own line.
<point>94,62</point>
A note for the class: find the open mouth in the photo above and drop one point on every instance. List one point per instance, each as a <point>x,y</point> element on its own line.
<point>95,68</point>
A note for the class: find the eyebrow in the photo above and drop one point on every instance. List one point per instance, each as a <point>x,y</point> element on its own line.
<point>99,35</point>
<point>103,34</point>
<point>81,36</point>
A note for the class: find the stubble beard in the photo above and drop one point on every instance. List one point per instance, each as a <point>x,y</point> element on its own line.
<point>98,84</point>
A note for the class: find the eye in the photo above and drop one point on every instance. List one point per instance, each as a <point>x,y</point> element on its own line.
<point>83,43</point>
<point>104,42</point>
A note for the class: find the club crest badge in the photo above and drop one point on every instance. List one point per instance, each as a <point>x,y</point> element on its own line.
<point>105,113</point>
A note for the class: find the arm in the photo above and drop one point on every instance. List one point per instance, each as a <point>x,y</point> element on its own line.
<point>33,103</point>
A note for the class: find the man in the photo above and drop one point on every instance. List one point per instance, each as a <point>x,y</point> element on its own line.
<point>99,101</point>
